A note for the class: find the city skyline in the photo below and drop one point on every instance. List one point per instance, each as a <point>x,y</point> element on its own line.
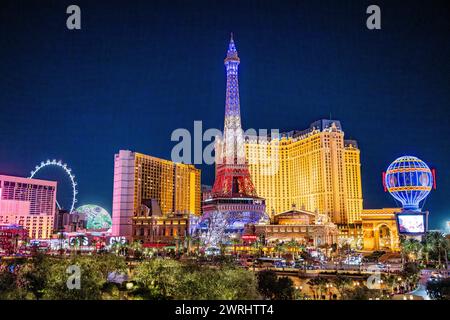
<point>83,111</point>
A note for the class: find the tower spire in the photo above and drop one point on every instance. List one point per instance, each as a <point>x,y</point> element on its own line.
<point>232,107</point>
<point>233,199</point>
<point>231,169</point>
<point>232,51</point>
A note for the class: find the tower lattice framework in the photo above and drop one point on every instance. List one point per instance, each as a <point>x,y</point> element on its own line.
<point>232,174</point>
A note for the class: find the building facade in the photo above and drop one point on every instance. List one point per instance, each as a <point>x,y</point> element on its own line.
<point>30,203</point>
<point>139,177</point>
<point>70,222</point>
<point>151,226</point>
<point>316,169</point>
<point>305,227</point>
<point>380,230</point>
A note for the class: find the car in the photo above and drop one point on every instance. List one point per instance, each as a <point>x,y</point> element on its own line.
<point>435,276</point>
<point>279,264</point>
<point>212,251</point>
<point>381,266</point>
<point>246,262</point>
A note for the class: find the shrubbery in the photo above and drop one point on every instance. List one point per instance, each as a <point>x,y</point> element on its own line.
<point>45,277</point>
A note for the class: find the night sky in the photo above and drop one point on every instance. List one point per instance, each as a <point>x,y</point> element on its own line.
<point>137,70</point>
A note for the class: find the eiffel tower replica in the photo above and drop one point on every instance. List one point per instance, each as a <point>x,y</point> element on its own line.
<point>233,203</point>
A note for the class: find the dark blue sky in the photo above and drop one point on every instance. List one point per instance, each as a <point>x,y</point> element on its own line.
<point>140,69</point>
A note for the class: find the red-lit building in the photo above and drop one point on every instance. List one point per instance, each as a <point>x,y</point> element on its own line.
<point>12,238</point>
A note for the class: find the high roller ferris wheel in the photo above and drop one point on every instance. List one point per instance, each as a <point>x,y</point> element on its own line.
<point>67,170</point>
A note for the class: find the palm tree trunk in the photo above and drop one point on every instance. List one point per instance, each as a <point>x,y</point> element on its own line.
<point>439,258</point>
<point>446,259</point>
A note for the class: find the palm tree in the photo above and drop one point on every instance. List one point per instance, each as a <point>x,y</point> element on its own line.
<point>280,248</point>
<point>341,283</point>
<point>440,245</point>
<point>411,248</point>
<point>427,248</point>
<point>136,247</point>
<point>196,242</point>
<point>147,253</point>
<point>257,245</point>
<point>390,282</point>
<point>234,242</point>
<point>294,246</point>
<point>318,284</point>
<point>313,285</point>
<point>187,241</point>
<point>323,284</point>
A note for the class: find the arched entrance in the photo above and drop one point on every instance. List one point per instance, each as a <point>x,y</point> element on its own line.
<point>384,237</point>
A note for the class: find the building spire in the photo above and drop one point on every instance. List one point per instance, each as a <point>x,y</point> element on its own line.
<point>232,174</point>
<point>232,51</point>
<point>232,112</point>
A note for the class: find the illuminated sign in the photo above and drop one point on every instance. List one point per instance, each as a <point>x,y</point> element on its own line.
<point>118,240</point>
<point>249,237</point>
<point>411,223</point>
<point>79,241</point>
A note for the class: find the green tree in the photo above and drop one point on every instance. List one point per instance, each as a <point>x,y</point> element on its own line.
<point>360,293</point>
<point>91,279</point>
<point>280,248</point>
<point>284,289</point>
<point>258,247</point>
<point>441,246</point>
<point>341,283</point>
<point>411,248</point>
<point>228,283</point>
<point>318,285</point>
<point>267,280</point>
<point>391,282</point>
<point>158,278</point>
<point>10,288</point>
<point>273,287</point>
<point>136,249</point>
<point>34,275</point>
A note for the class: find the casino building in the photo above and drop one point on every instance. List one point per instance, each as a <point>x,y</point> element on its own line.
<point>139,178</point>
<point>30,203</point>
<point>151,226</point>
<point>308,228</point>
<point>315,168</point>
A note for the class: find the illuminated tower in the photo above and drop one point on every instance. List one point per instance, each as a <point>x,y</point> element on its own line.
<point>232,174</point>
<point>233,202</point>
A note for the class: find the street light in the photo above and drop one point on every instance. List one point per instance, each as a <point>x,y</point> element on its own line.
<point>129,285</point>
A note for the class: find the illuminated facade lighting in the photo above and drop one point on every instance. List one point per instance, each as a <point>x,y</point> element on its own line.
<point>139,177</point>
<point>234,202</point>
<point>30,203</point>
<point>316,169</point>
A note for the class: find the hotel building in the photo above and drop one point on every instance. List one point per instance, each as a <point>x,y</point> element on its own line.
<point>316,169</point>
<point>151,226</point>
<point>307,228</point>
<point>139,178</point>
<point>30,203</point>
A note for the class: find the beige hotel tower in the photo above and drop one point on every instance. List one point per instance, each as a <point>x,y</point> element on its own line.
<point>314,169</point>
